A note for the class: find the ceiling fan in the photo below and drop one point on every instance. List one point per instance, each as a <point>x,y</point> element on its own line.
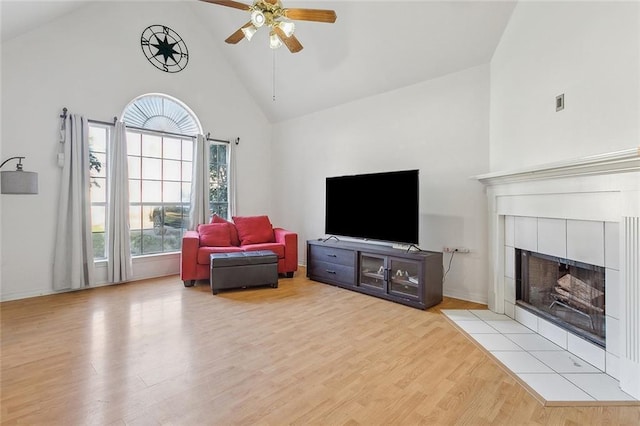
<point>272,14</point>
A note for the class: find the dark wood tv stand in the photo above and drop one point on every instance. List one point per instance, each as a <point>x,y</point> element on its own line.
<point>412,278</point>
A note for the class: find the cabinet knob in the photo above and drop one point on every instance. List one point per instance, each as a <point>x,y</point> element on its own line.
<point>329,271</point>
<point>332,255</point>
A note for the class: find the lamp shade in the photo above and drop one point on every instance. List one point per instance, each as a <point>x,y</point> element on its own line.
<point>249,31</point>
<point>257,18</point>
<point>274,40</point>
<point>18,182</point>
<point>287,27</point>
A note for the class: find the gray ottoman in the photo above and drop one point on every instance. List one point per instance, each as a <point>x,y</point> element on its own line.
<point>243,269</point>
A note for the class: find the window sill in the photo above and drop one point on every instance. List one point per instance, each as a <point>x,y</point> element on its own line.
<point>99,262</point>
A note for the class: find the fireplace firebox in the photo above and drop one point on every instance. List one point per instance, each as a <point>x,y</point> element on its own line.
<point>569,294</point>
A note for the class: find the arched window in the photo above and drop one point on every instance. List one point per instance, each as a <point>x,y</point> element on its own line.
<point>163,113</point>
<point>160,136</point>
<point>161,131</point>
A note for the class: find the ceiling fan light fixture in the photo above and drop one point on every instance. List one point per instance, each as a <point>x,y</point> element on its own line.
<point>274,40</point>
<point>257,18</point>
<point>287,27</point>
<point>249,32</point>
<point>271,14</point>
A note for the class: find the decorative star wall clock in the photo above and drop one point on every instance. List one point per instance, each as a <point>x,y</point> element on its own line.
<point>164,48</point>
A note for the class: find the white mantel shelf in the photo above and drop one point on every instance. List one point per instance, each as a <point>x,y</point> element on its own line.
<point>626,161</point>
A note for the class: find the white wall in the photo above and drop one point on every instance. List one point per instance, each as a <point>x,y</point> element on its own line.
<point>91,62</point>
<point>439,127</point>
<point>590,51</point>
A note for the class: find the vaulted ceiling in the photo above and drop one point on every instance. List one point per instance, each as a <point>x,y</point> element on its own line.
<point>373,47</point>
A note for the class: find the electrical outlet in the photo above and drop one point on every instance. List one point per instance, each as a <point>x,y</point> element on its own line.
<point>560,102</point>
<point>455,250</point>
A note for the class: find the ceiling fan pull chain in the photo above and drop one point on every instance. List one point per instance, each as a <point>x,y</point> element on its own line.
<point>274,75</point>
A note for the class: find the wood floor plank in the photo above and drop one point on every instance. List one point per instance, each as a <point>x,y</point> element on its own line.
<point>155,352</point>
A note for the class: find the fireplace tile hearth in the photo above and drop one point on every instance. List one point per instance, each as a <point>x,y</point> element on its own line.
<point>474,326</point>
<point>554,387</point>
<point>509,327</point>
<point>533,342</point>
<point>601,386</point>
<point>489,316</point>
<point>495,342</point>
<point>564,362</point>
<point>521,362</point>
<point>555,375</point>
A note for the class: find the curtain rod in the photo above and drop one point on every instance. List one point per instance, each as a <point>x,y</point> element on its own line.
<point>105,123</point>
<point>181,135</point>
<point>209,138</point>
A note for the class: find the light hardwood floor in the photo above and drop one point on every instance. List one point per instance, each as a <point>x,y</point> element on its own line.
<point>154,352</point>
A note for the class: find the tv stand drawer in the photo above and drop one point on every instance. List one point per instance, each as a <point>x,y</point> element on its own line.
<point>332,255</point>
<point>332,273</point>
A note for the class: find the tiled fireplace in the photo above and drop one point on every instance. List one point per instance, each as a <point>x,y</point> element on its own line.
<point>573,230</point>
<point>593,246</point>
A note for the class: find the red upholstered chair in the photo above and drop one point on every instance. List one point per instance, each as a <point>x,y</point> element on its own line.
<point>250,233</point>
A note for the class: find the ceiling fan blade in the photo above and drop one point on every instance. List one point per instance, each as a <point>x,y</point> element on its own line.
<point>292,42</point>
<point>238,35</point>
<point>230,3</point>
<point>317,15</point>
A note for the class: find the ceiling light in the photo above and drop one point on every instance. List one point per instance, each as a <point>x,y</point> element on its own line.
<point>249,31</point>
<point>274,40</point>
<point>257,18</point>
<point>287,27</point>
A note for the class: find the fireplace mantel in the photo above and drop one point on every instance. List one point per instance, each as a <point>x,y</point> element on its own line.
<point>614,162</point>
<point>603,188</point>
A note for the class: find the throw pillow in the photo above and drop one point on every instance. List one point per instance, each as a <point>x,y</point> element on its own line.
<point>233,232</point>
<point>214,235</point>
<point>254,229</point>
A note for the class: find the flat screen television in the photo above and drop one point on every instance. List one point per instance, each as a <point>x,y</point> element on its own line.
<point>375,206</point>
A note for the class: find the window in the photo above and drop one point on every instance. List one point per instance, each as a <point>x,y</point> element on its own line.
<point>159,191</point>
<point>98,137</point>
<point>160,139</point>
<point>162,113</point>
<point>219,179</point>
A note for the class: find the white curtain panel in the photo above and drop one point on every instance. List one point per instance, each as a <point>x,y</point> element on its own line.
<point>73,256</point>
<point>233,150</point>
<point>199,212</point>
<point>119,264</point>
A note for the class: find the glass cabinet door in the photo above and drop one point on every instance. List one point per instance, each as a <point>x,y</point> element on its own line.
<point>372,271</point>
<point>404,278</point>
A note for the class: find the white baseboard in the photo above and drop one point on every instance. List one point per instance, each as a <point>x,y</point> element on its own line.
<point>144,267</point>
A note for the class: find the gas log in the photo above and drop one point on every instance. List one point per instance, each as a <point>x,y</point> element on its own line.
<point>579,294</point>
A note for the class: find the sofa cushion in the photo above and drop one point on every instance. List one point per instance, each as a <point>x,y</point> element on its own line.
<point>277,248</point>
<point>204,252</point>
<point>233,232</point>
<point>254,229</point>
<point>214,235</point>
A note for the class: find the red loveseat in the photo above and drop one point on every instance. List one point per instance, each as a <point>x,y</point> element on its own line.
<point>249,233</point>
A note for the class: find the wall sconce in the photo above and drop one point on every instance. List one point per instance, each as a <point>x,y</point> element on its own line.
<point>18,181</point>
